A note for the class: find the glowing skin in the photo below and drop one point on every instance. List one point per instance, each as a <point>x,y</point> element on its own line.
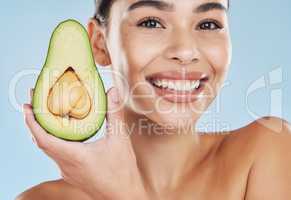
<point>180,43</point>
<point>174,163</point>
<point>137,52</point>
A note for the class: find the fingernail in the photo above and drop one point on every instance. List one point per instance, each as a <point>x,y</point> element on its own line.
<point>115,96</point>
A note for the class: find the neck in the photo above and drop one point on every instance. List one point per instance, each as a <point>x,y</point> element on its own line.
<point>165,158</point>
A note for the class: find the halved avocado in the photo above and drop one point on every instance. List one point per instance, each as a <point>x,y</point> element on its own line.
<point>69,99</point>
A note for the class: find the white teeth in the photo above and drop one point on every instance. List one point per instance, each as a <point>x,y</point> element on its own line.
<point>188,85</point>
<point>179,85</point>
<point>171,84</point>
<point>158,83</point>
<point>164,83</point>
<point>196,84</point>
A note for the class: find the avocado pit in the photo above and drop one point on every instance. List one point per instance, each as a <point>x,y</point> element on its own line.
<point>68,97</point>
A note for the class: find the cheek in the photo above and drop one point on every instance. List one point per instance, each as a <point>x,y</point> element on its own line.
<point>141,48</point>
<point>217,53</point>
<point>140,51</point>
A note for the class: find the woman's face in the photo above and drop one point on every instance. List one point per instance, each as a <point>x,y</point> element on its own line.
<point>160,50</point>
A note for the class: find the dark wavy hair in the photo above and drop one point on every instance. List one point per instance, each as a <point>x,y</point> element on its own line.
<point>103,10</point>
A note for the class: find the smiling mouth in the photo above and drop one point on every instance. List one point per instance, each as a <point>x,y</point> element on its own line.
<point>178,88</point>
<point>177,85</point>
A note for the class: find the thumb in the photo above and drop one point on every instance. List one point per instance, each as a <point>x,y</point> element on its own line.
<point>116,126</point>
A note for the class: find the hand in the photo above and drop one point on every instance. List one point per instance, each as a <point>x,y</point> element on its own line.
<point>106,168</point>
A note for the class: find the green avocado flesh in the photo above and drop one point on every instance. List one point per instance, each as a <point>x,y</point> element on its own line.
<point>69,99</point>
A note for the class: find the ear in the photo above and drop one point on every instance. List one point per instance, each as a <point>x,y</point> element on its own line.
<point>98,44</point>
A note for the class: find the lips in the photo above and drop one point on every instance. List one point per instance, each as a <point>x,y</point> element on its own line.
<point>177,87</point>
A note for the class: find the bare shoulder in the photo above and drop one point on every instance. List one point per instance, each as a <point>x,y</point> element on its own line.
<point>270,134</point>
<point>263,135</point>
<point>50,190</point>
<point>269,176</point>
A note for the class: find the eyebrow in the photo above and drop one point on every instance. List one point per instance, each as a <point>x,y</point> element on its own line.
<point>164,6</point>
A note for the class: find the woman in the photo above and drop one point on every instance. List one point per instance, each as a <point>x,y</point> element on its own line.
<point>174,56</point>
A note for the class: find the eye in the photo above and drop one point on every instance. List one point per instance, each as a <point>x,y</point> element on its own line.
<point>150,22</point>
<point>209,25</point>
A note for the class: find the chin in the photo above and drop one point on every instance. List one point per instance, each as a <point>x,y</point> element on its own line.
<point>174,121</point>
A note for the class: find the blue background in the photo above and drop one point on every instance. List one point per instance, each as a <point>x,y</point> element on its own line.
<point>261,32</point>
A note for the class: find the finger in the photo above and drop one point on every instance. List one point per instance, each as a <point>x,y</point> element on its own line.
<point>115,114</point>
<point>44,140</point>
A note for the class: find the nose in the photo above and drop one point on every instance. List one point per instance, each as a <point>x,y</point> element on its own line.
<point>182,48</point>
